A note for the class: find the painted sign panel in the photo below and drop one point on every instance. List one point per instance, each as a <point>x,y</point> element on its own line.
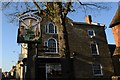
<point>29,29</point>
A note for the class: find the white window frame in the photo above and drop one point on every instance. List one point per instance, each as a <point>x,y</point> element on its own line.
<point>96,48</point>
<point>91,36</point>
<point>101,70</point>
<point>47,27</point>
<point>56,46</point>
<point>46,44</point>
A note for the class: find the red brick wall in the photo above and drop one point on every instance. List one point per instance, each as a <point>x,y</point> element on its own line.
<point>116,33</point>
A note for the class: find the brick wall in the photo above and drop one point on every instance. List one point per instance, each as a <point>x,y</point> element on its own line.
<point>116,33</point>
<point>79,43</point>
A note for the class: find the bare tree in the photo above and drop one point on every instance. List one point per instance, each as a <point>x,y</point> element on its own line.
<point>56,11</point>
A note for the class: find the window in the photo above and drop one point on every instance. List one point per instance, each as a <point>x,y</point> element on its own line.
<point>91,33</point>
<point>25,70</point>
<point>45,46</point>
<point>94,49</point>
<point>50,28</point>
<point>50,45</point>
<point>97,70</point>
<point>53,70</point>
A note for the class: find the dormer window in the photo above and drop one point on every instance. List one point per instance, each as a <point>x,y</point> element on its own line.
<point>50,28</point>
<point>91,33</point>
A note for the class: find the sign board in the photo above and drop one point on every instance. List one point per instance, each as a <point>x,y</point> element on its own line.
<point>29,29</point>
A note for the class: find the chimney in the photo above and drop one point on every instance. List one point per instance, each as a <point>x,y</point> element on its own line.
<point>88,19</point>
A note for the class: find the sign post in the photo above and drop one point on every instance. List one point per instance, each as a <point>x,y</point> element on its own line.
<point>29,31</point>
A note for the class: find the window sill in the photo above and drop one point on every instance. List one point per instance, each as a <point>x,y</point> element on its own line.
<point>95,55</point>
<point>51,33</point>
<point>51,52</point>
<point>91,36</point>
<point>98,74</point>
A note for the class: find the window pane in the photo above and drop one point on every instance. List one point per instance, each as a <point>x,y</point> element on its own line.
<point>94,48</point>
<point>97,66</point>
<point>52,45</point>
<point>97,69</point>
<point>45,43</point>
<point>46,30</point>
<point>91,33</point>
<point>53,70</point>
<point>45,46</point>
<point>55,29</point>
<point>51,28</point>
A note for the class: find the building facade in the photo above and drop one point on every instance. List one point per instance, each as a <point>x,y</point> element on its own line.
<point>17,71</point>
<point>89,53</point>
<point>115,25</point>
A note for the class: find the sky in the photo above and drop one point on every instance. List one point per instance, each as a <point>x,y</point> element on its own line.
<point>0,39</point>
<point>10,49</point>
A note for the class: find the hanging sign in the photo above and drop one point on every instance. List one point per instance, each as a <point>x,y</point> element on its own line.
<point>29,29</point>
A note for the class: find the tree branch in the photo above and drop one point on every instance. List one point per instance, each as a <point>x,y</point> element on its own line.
<point>27,11</point>
<point>4,5</point>
<point>90,4</point>
<point>67,9</point>
<point>37,6</point>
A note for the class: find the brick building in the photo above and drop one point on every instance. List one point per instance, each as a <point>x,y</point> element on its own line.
<point>89,53</point>
<point>115,25</point>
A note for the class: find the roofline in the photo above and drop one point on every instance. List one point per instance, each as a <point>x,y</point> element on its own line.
<point>101,25</point>
<point>84,23</point>
<point>114,24</point>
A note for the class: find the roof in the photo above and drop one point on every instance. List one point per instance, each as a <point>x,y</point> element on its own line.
<point>116,18</point>
<point>112,48</point>
<point>92,24</point>
<point>117,51</point>
<point>82,23</point>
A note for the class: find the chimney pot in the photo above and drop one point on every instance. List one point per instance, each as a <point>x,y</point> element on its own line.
<point>88,19</point>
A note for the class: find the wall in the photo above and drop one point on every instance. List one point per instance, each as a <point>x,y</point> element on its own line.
<point>116,33</point>
<point>79,43</point>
